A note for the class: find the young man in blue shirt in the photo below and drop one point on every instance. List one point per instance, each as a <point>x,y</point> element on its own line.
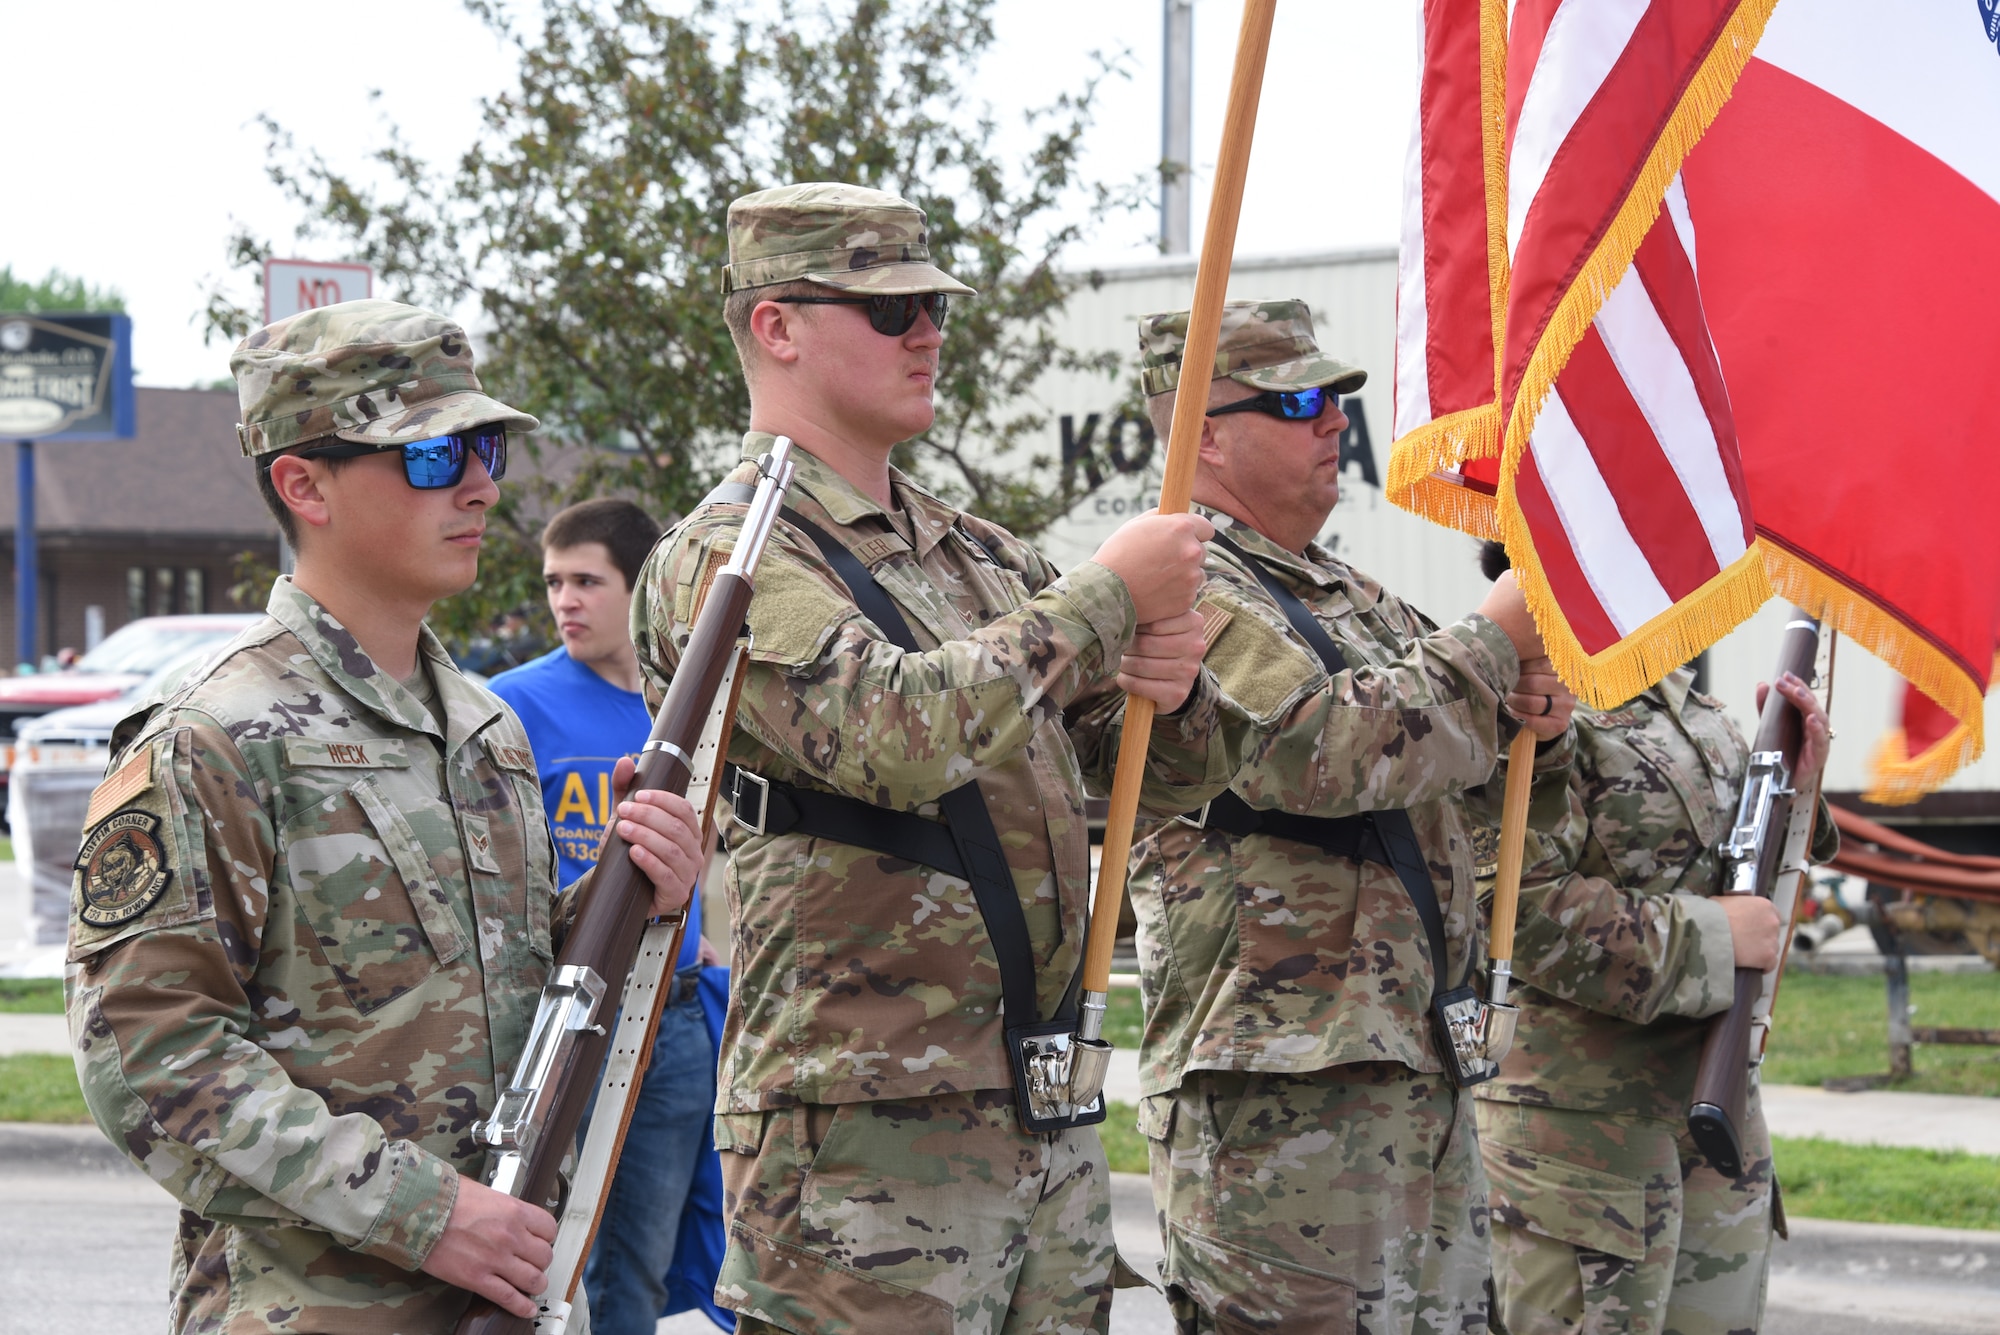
<point>582,707</point>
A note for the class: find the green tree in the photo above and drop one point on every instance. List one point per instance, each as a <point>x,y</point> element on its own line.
<point>57,291</point>
<point>587,224</point>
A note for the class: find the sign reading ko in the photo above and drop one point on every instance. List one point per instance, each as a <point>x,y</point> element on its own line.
<point>65,375</point>
<point>291,286</point>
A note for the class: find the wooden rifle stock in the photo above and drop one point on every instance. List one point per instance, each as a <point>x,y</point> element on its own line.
<point>1721,1098</point>
<point>611,914</point>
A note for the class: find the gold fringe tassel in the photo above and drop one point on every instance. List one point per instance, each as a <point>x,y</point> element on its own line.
<point>1443,446</point>
<point>1649,652</point>
<point>1704,96</point>
<point>1896,777</point>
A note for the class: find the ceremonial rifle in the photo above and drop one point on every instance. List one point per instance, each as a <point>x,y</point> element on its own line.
<point>1764,841</point>
<point>536,1117</point>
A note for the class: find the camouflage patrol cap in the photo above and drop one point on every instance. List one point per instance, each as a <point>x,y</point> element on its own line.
<point>1263,344</point>
<point>362,371</point>
<point>837,235</point>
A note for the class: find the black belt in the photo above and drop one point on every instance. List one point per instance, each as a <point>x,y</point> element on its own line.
<point>1352,837</point>
<point>772,806</point>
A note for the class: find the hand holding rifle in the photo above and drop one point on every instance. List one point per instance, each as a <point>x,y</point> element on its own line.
<point>494,1245</point>
<point>650,858</point>
<point>1785,760</point>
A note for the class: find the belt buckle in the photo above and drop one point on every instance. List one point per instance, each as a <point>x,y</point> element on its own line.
<point>763,800</point>
<point>1199,819</point>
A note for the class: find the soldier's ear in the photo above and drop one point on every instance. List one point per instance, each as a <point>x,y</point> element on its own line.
<point>297,483</point>
<point>1210,451</point>
<point>775,328</point>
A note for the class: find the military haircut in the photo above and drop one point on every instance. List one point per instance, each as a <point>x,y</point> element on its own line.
<point>1160,409</point>
<point>627,532</point>
<point>736,308</point>
<point>288,523</point>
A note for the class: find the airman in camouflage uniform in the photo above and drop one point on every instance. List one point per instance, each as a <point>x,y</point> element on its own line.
<point>875,1172</point>
<point>1313,1166</point>
<point>1605,1215</point>
<point>313,909</point>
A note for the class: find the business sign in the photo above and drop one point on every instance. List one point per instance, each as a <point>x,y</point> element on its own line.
<point>291,286</point>
<point>65,376</point>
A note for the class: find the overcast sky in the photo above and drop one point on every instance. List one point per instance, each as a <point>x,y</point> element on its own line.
<point>132,142</point>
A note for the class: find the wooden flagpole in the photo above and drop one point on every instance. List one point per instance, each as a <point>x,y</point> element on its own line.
<point>1218,243</point>
<point>1507,878</point>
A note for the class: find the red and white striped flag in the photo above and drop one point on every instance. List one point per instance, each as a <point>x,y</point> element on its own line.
<point>1778,376</point>
<point>1603,451</point>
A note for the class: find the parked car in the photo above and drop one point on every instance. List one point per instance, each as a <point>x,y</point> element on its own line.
<point>57,760</point>
<point>124,660</point>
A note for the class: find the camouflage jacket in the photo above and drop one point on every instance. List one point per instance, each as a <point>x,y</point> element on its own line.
<point>1621,951</point>
<point>307,932</point>
<point>1264,954</point>
<point>856,976</point>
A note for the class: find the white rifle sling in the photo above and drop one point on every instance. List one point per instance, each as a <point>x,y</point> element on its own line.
<point>638,1022</point>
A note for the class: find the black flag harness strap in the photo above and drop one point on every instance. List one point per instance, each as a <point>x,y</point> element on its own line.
<point>964,845</point>
<point>1384,837</point>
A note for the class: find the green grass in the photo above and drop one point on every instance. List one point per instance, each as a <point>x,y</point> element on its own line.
<point>1123,1145</point>
<point>6,849</point>
<point>40,1088</point>
<point>1874,1184</point>
<point>1123,1017</point>
<point>1833,1026</point>
<point>31,996</point>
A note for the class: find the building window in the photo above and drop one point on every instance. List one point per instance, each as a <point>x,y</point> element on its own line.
<point>163,592</point>
<point>135,593</point>
<point>194,592</point>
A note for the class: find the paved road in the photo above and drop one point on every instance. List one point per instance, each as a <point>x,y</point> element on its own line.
<point>84,1242</point>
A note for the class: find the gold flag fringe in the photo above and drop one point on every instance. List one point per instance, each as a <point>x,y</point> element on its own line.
<point>1419,461</point>
<point>1704,96</point>
<point>1649,652</point>
<point>1895,776</point>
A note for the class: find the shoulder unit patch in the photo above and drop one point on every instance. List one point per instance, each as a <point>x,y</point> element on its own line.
<point>123,868</point>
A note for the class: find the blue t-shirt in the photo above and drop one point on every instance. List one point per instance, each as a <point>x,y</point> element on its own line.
<point>579,724</point>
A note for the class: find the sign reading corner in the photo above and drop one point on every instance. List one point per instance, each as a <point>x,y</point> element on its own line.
<point>67,376</point>
<point>291,286</point>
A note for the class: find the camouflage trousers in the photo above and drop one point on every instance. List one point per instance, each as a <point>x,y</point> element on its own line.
<point>1347,1200</point>
<point>932,1216</point>
<point>1611,1222</point>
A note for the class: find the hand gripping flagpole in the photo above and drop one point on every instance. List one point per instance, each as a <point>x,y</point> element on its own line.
<point>1218,243</point>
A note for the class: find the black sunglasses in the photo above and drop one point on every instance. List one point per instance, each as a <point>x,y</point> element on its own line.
<point>890,315</point>
<point>431,465</point>
<point>1294,405</point>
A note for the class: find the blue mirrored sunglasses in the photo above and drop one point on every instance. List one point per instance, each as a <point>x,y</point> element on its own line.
<point>1294,405</point>
<point>431,465</point>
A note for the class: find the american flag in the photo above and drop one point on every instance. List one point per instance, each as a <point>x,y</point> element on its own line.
<point>1556,384</point>
<point>1672,388</point>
